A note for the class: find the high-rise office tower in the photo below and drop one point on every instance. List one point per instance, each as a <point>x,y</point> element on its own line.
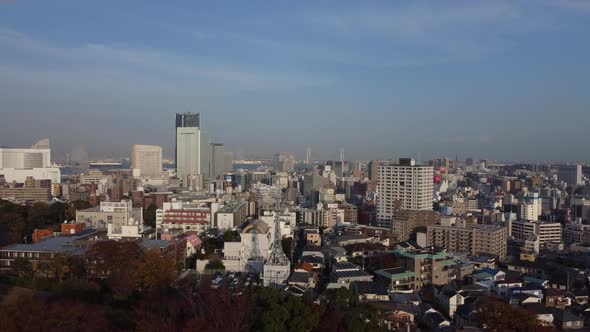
<point>146,161</point>
<point>217,160</point>
<point>284,162</point>
<point>192,148</point>
<point>228,161</point>
<point>406,182</point>
<point>570,174</point>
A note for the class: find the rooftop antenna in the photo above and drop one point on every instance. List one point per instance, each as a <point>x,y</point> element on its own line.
<point>419,158</point>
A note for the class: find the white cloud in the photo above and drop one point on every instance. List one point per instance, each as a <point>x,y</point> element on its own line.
<point>582,5</point>
<point>133,66</point>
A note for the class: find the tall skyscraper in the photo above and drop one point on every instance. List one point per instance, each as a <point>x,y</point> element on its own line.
<point>284,162</point>
<point>570,174</point>
<point>146,161</point>
<point>192,148</point>
<point>217,160</point>
<point>228,161</point>
<point>406,182</point>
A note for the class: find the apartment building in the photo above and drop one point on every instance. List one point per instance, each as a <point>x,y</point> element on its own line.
<point>474,239</point>
<point>406,182</point>
<point>546,231</point>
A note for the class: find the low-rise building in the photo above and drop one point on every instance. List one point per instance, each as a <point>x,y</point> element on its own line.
<point>473,239</point>
<point>183,215</point>
<point>346,272</point>
<point>231,215</point>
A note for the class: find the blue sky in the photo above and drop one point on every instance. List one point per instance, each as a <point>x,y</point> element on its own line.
<point>489,79</point>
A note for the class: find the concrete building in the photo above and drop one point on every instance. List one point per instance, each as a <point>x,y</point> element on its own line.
<point>17,164</point>
<point>570,174</point>
<point>406,182</point>
<point>228,161</point>
<point>419,268</point>
<point>284,162</point>
<point>217,161</point>
<point>404,222</point>
<point>474,239</point>
<point>312,217</point>
<point>253,249</point>
<point>546,231</point>
<point>33,191</point>
<point>183,215</point>
<point>116,213</point>
<point>192,148</point>
<point>580,207</point>
<point>146,161</point>
<point>530,207</point>
<point>231,215</point>
<point>373,169</point>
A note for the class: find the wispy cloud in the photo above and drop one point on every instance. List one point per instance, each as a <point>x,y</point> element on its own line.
<point>426,32</point>
<point>581,5</point>
<point>123,63</point>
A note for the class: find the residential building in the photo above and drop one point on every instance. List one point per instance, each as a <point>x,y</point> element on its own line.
<point>183,215</point>
<point>33,190</point>
<point>419,267</point>
<point>116,213</point>
<point>473,239</point>
<point>231,215</point>
<point>404,222</point>
<point>530,207</point>
<point>405,182</point>
<point>546,231</point>
<point>346,272</point>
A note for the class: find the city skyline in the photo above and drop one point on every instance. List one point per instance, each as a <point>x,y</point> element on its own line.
<point>471,78</point>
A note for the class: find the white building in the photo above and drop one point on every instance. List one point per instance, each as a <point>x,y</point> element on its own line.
<point>287,221</point>
<point>192,148</point>
<point>406,182</point>
<point>570,174</point>
<point>120,219</point>
<point>16,163</point>
<point>545,231</point>
<point>284,162</point>
<point>530,207</point>
<point>146,161</point>
<point>183,215</point>
<point>251,252</point>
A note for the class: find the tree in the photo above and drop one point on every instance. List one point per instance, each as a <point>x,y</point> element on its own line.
<point>215,265</point>
<point>149,216</point>
<point>22,267</point>
<point>115,261</point>
<point>155,271</point>
<point>218,310</point>
<point>58,267</point>
<point>286,244</point>
<point>75,206</point>
<point>39,314</point>
<point>38,215</point>
<point>231,236</point>
<point>496,315</point>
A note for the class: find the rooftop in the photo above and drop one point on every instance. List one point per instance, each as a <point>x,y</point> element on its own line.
<point>52,244</point>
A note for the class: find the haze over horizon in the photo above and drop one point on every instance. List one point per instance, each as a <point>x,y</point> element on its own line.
<point>505,80</point>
